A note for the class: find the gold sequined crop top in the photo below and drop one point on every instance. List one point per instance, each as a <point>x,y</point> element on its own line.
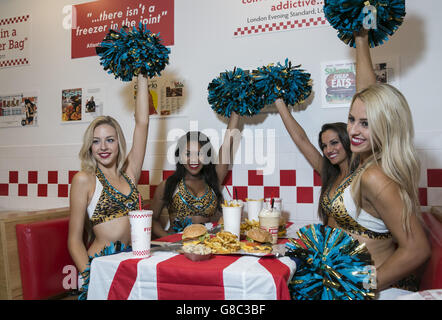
<point>186,204</point>
<point>108,203</point>
<point>343,209</point>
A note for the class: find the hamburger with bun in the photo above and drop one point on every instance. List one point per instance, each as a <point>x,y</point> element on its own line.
<point>194,234</point>
<point>282,228</point>
<point>257,241</point>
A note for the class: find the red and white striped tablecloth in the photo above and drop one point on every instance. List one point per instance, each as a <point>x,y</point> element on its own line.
<point>171,276</point>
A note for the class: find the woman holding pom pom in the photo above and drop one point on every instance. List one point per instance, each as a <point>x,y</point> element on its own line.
<point>378,204</point>
<point>286,84</point>
<point>193,193</point>
<point>105,189</point>
<point>381,208</point>
<point>334,165</point>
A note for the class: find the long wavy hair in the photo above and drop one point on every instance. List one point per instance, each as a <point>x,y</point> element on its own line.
<point>88,162</point>
<point>208,172</point>
<point>392,140</point>
<point>330,172</point>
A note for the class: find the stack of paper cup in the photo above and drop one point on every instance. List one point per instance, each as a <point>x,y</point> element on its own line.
<point>253,209</point>
<point>141,231</point>
<point>232,217</point>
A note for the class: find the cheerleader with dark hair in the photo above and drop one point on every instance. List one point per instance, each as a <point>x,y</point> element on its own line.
<point>193,193</point>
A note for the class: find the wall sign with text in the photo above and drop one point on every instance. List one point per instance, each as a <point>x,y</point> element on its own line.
<point>338,79</point>
<point>265,16</point>
<point>92,21</point>
<point>15,41</point>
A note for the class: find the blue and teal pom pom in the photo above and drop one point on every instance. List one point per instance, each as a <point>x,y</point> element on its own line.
<point>180,223</point>
<point>130,52</point>
<point>330,266</point>
<point>348,16</point>
<point>112,248</point>
<point>288,82</point>
<point>234,91</point>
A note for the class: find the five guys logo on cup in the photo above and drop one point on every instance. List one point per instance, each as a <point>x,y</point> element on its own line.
<point>141,231</point>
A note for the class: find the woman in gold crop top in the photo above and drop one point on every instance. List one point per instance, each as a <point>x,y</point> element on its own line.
<point>105,190</point>
<point>385,184</point>
<point>193,192</point>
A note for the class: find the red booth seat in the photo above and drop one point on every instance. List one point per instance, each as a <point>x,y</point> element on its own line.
<point>43,253</point>
<point>432,276</point>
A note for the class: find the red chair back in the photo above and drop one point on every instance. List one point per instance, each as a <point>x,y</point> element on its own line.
<point>432,276</point>
<point>43,253</point>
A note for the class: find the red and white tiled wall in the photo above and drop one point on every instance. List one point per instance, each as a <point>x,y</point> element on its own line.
<point>299,189</point>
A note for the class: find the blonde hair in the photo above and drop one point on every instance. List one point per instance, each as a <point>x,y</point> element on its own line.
<point>391,134</point>
<point>88,162</point>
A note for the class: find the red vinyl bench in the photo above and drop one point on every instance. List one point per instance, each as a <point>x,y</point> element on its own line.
<point>43,253</point>
<point>432,275</point>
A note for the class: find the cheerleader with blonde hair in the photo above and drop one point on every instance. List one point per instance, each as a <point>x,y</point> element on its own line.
<point>105,189</point>
<point>381,205</point>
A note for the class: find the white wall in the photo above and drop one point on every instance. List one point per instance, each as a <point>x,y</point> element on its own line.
<point>204,47</point>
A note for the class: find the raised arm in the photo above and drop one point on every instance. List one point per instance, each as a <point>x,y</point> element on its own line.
<point>225,154</point>
<point>365,75</point>
<point>299,136</point>
<point>136,155</point>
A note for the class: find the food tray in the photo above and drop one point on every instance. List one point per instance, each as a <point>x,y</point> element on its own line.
<point>277,252</point>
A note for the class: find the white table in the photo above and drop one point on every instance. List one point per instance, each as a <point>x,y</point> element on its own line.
<point>171,276</point>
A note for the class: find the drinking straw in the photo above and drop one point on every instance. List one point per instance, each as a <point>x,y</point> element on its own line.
<point>139,202</point>
<point>236,194</point>
<point>229,192</point>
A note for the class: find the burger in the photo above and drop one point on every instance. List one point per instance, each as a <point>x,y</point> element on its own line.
<point>257,241</point>
<point>194,234</point>
<point>282,229</point>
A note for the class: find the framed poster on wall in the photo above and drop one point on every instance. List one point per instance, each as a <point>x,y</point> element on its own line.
<point>338,79</point>
<point>19,110</point>
<point>166,96</point>
<point>81,104</point>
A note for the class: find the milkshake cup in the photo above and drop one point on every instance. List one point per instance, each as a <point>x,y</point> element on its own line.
<point>269,221</point>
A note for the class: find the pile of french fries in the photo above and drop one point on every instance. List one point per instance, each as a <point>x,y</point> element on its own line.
<point>247,224</point>
<point>232,203</point>
<point>223,242</point>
